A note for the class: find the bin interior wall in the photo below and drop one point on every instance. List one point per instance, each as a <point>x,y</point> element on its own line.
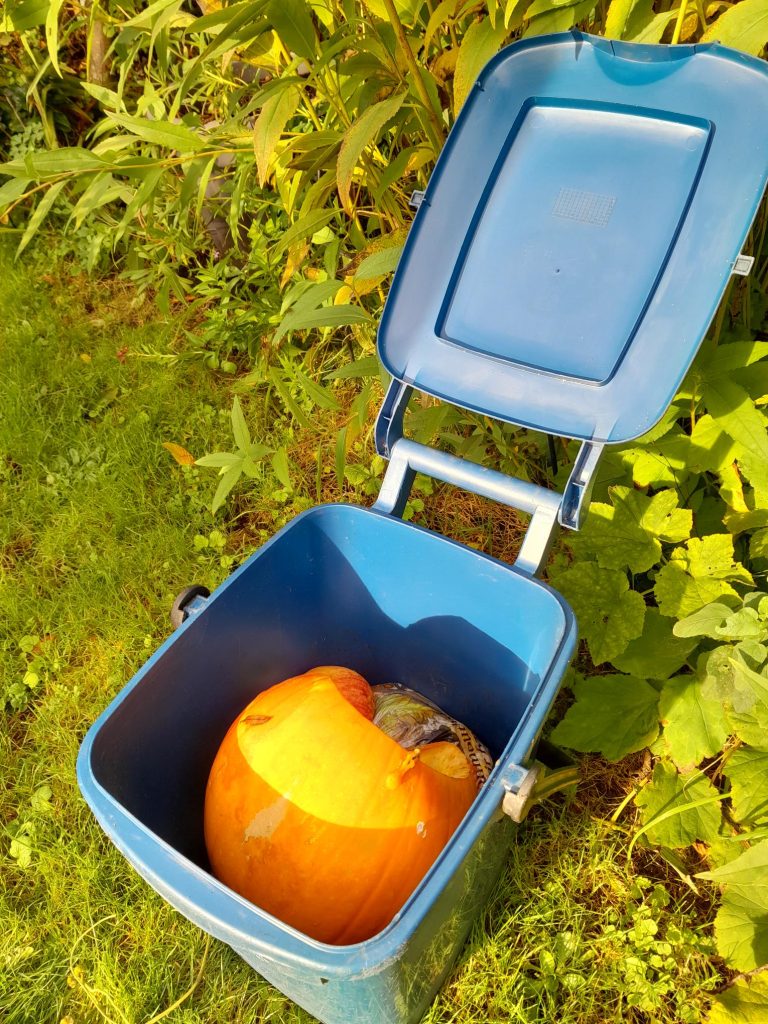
<point>340,585</point>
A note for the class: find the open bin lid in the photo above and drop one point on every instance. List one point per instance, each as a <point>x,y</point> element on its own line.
<point>578,232</point>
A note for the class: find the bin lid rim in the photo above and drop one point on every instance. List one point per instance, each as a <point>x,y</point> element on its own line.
<point>578,232</point>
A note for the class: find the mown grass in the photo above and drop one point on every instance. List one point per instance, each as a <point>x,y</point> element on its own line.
<point>98,529</point>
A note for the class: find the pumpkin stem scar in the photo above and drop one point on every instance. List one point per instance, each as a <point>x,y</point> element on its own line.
<point>396,777</point>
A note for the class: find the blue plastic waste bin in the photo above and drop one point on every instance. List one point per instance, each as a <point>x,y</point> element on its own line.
<point>565,261</point>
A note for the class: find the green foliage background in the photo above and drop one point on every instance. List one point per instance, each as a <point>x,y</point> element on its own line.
<point>249,166</point>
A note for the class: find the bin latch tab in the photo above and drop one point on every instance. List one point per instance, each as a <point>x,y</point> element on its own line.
<point>519,784</point>
<point>742,265</point>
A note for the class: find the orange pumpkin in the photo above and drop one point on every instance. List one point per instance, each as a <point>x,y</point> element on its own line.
<point>319,818</point>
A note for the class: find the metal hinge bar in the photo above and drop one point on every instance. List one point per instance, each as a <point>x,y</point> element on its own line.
<point>546,507</point>
<point>417,198</point>
<point>408,458</point>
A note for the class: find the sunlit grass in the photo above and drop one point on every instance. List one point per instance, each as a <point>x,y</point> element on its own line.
<point>97,535</point>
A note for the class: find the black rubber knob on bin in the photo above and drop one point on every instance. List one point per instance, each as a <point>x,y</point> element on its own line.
<point>179,607</point>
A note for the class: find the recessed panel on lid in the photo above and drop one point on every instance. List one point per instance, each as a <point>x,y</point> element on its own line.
<point>546,277</point>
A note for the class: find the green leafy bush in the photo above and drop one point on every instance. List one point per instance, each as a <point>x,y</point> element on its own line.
<point>668,585</point>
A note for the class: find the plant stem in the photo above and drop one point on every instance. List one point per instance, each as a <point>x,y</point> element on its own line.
<point>679,23</point>
<point>413,67</point>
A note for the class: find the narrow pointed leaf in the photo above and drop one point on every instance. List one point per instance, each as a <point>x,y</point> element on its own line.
<point>480,43</point>
<point>363,132</point>
<point>270,125</point>
<point>240,429</point>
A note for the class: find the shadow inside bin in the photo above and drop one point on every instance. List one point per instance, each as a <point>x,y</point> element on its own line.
<point>314,597</point>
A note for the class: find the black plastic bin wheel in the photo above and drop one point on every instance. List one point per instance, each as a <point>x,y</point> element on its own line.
<point>179,608</point>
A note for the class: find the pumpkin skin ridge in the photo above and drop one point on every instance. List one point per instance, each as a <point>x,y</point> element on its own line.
<point>302,891</point>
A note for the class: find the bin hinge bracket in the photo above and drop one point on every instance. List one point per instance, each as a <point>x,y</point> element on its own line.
<point>545,507</point>
<point>519,784</point>
<point>417,198</point>
<point>743,264</point>
<point>578,490</point>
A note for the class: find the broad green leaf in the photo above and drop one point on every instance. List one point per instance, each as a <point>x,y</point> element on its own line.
<point>161,133</point>
<point>741,926</point>
<point>664,462</point>
<point>292,20</point>
<point>626,17</point>
<point>738,522</point>
<point>270,125</point>
<point>304,227</point>
<point>629,532</point>
<point>754,467</point>
<point>678,593</point>
<point>379,263</point>
<point>711,447</point>
<point>758,542</point>
<point>560,18</point>
<point>609,614</point>
<point>653,30</point>
<point>742,624</point>
<point>736,414</point>
<point>613,716</point>
<point>703,622</point>
<point>52,33</point>
<point>697,575</point>
<point>280,468</point>
<point>734,355</point>
<point>743,26</point>
<point>748,715</point>
<point>240,429</point>
<point>328,316</point>
<point>723,676</point>
<point>42,210</point>
<point>694,726</point>
<point>480,43</point>
<point>678,809</point>
<point>361,133</point>
<point>745,1001</point>
<point>656,654</point>
<point>747,771</point>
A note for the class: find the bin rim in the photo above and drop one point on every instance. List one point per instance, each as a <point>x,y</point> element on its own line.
<point>246,926</point>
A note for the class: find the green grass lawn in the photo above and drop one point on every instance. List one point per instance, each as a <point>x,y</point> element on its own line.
<point>99,529</point>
